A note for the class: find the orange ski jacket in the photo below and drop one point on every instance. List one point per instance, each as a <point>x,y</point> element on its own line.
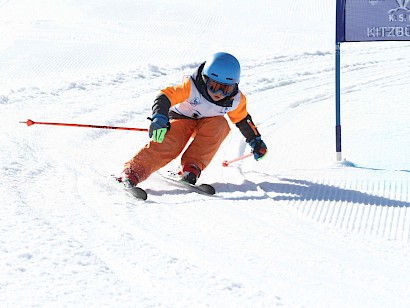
<point>190,100</point>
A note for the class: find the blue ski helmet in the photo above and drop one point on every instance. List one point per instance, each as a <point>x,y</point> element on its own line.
<point>223,68</point>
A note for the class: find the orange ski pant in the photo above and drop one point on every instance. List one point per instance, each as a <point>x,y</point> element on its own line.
<point>207,133</point>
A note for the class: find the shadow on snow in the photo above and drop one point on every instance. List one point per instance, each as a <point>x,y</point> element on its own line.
<point>294,190</point>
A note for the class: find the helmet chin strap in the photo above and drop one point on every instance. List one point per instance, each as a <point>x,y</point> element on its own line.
<point>225,102</point>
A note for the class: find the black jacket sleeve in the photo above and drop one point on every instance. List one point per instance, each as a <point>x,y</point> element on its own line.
<point>161,105</point>
<point>248,128</point>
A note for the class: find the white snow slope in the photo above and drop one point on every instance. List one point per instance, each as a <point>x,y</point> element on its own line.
<point>296,229</point>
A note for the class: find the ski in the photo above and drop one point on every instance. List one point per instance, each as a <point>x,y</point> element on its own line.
<point>173,177</point>
<point>135,191</point>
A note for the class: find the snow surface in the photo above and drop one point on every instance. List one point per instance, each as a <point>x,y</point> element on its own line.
<point>297,229</point>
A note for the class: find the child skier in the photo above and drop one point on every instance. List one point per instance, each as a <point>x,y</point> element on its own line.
<point>195,109</point>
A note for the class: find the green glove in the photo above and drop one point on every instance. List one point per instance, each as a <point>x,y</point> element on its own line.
<point>158,128</point>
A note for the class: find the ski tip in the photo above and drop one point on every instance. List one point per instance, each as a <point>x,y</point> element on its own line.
<point>140,193</point>
<point>209,189</point>
<point>137,192</point>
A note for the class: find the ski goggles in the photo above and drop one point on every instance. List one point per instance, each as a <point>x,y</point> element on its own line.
<point>219,88</point>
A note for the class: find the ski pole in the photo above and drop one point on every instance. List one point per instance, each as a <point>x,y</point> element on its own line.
<point>226,163</point>
<point>31,122</point>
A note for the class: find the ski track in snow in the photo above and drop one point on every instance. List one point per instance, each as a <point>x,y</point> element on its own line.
<point>372,206</point>
<point>139,249</point>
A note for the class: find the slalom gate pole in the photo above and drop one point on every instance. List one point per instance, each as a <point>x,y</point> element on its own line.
<point>31,122</point>
<point>226,163</point>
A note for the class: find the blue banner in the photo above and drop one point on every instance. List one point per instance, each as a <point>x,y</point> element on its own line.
<point>372,20</point>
